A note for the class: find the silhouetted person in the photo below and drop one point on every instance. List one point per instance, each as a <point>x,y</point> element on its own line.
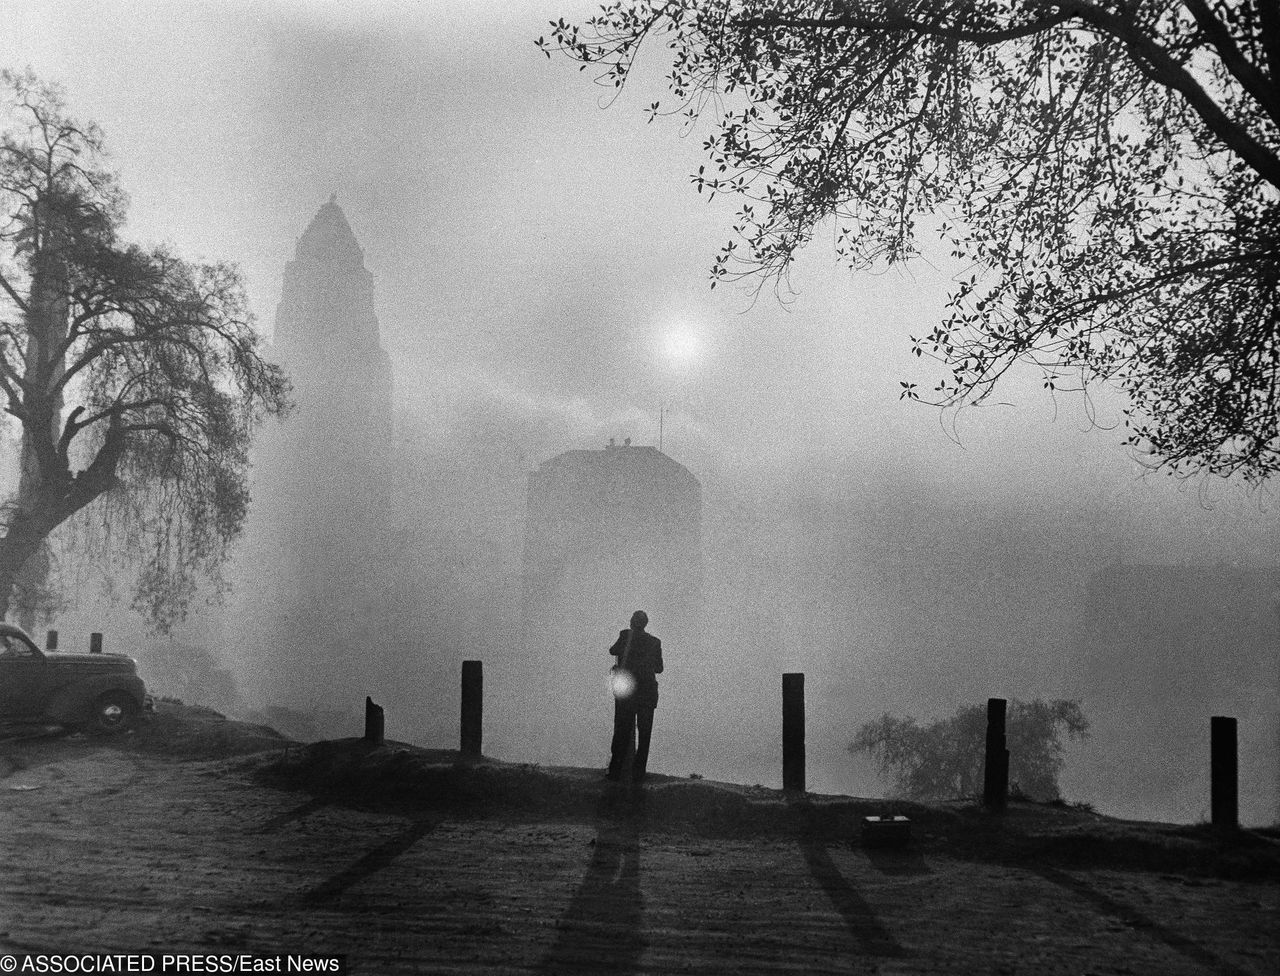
<point>635,695</point>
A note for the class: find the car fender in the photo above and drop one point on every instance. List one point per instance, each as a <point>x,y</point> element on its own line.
<point>68,704</point>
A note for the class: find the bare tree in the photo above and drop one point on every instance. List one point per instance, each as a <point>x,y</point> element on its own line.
<point>1108,171</point>
<point>135,376</point>
<point>943,760</point>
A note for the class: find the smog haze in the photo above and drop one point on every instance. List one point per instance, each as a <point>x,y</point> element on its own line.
<point>539,259</point>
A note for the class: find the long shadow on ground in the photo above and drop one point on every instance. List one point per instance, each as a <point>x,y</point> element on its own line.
<point>1140,922</point>
<point>371,863</point>
<point>863,924</point>
<point>415,781</point>
<point>602,930</point>
<point>297,813</point>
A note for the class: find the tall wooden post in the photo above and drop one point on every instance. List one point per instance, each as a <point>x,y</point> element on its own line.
<point>793,732</point>
<point>95,643</point>
<point>51,641</point>
<point>995,770</point>
<point>472,707</point>
<point>374,722</point>
<point>1224,785</point>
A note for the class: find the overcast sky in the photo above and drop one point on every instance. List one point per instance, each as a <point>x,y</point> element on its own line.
<point>541,271</point>
<point>547,257</point>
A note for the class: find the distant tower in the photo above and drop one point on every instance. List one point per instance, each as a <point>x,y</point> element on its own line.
<point>327,339</point>
<point>608,532</point>
<point>320,498</point>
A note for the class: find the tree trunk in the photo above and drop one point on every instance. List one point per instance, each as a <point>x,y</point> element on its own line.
<point>16,549</point>
<point>32,598</point>
<point>26,585</point>
<point>35,518</point>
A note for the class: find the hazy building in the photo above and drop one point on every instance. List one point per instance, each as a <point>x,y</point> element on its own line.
<point>327,339</point>
<point>610,531</point>
<point>606,532</point>
<point>321,488</point>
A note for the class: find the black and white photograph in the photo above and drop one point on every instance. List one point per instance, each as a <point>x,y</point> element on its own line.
<point>640,487</point>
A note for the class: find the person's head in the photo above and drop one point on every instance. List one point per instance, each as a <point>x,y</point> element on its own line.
<point>639,620</point>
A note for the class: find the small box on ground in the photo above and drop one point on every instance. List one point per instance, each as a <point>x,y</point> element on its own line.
<point>886,831</point>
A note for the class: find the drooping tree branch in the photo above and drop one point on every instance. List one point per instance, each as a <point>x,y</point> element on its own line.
<point>136,376</point>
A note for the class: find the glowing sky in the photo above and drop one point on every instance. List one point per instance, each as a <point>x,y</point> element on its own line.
<point>543,259</point>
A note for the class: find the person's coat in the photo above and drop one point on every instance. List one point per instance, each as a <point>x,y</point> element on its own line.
<point>644,661</point>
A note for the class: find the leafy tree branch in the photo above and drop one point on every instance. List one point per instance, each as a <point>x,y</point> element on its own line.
<point>1109,173</point>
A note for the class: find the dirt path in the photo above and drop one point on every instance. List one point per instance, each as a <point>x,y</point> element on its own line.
<point>109,850</point>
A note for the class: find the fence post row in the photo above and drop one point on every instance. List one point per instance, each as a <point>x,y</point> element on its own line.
<point>1223,748</point>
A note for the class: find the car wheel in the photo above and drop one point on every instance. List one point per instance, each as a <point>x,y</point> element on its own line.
<point>112,713</point>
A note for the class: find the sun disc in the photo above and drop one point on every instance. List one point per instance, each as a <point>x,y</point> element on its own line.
<point>682,346</point>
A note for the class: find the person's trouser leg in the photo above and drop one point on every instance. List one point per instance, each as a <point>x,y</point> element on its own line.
<point>644,723</point>
<point>624,718</point>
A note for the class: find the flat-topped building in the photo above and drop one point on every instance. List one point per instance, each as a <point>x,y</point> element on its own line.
<point>609,531</point>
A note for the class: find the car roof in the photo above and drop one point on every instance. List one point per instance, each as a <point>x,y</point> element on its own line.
<point>14,629</point>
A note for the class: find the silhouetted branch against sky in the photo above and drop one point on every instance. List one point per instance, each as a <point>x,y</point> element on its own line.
<point>135,376</point>
<point>1108,173</point>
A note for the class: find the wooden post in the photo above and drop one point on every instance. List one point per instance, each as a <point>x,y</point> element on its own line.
<point>374,722</point>
<point>51,641</point>
<point>1223,773</point>
<point>95,643</point>
<point>995,771</point>
<point>793,732</point>
<point>472,707</point>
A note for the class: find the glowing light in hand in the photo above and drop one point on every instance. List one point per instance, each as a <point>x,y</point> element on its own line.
<point>623,683</point>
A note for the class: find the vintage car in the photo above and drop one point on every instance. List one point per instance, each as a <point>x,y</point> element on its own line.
<point>99,693</point>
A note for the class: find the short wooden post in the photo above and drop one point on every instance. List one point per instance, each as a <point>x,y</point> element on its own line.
<point>995,771</point>
<point>793,732</point>
<point>374,722</point>
<point>472,707</point>
<point>95,643</point>
<point>51,641</point>
<point>1224,785</point>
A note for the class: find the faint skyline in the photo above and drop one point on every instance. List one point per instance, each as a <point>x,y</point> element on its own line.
<point>538,257</point>
<point>541,279</point>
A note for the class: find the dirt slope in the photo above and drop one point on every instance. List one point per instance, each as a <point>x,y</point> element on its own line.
<point>191,835</point>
